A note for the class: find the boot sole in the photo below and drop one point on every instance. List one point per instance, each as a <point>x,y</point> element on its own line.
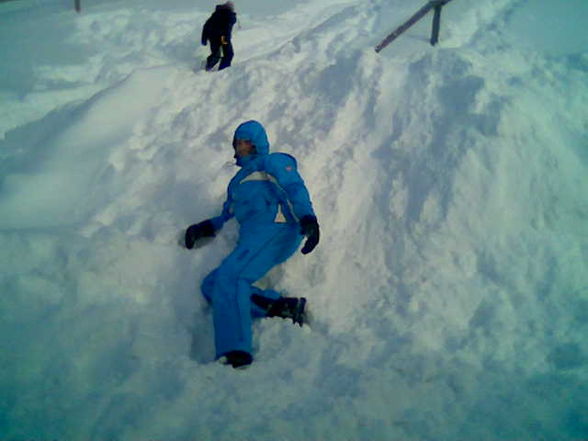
<point>300,316</point>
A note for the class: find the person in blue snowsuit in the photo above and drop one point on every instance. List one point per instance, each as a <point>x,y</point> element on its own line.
<point>270,201</point>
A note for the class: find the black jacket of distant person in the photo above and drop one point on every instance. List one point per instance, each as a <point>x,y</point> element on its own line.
<point>220,24</point>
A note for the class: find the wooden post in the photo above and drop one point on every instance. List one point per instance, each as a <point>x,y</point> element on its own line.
<point>77,5</point>
<point>436,25</point>
<point>437,4</point>
<point>407,24</point>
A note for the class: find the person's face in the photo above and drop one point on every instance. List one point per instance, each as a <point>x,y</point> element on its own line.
<point>243,148</point>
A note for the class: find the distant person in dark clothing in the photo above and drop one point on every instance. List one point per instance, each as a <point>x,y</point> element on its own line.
<point>217,30</point>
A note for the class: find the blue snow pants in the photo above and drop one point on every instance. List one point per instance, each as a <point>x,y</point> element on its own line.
<point>230,286</point>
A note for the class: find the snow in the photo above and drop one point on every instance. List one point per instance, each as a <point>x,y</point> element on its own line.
<point>449,291</point>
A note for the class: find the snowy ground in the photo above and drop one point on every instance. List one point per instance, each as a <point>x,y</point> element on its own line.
<point>450,287</point>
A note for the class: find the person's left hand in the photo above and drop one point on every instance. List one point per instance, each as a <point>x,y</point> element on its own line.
<point>310,228</point>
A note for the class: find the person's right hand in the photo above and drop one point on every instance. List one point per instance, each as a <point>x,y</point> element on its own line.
<point>198,231</point>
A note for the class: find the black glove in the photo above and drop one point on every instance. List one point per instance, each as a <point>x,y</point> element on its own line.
<point>310,228</point>
<point>198,231</point>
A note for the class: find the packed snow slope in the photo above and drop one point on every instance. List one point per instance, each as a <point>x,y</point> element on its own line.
<point>449,291</point>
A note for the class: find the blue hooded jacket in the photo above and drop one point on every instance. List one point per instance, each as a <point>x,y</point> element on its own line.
<point>267,189</point>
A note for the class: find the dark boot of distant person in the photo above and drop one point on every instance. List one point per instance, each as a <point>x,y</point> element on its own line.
<point>215,55</point>
<point>227,55</point>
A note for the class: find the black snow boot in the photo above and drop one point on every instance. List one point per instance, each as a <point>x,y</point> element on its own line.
<point>237,359</point>
<point>286,307</point>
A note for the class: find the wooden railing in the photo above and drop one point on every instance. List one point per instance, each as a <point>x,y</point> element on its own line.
<point>436,5</point>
